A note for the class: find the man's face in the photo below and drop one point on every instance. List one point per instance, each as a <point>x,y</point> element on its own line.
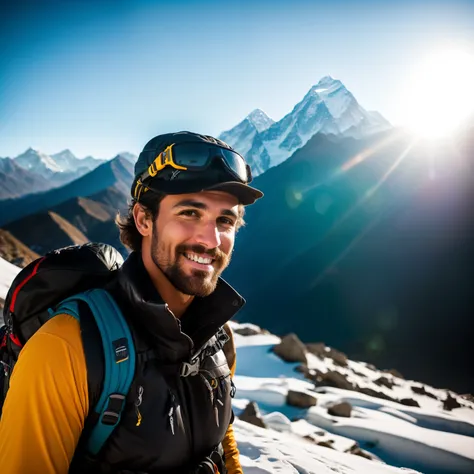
<point>193,238</point>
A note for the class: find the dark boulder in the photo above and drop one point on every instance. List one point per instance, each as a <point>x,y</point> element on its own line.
<point>395,373</point>
<point>300,399</point>
<point>409,402</point>
<point>291,349</point>
<point>333,379</point>
<point>374,393</point>
<point>320,350</point>
<point>450,403</point>
<point>340,409</point>
<point>384,382</point>
<point>247,331</point>
<point>251,414</point>
<point>422,391</point>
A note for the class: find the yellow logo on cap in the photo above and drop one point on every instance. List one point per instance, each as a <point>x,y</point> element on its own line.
<point>165,158</point>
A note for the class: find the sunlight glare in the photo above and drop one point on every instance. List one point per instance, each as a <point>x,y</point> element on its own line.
<point>440,94</point>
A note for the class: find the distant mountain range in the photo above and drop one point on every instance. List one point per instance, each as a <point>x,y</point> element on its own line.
<point>117,173</point>
<point>327,108</point>
<point>81,211</point>
<point>372,235</point>
<point>33,171</point>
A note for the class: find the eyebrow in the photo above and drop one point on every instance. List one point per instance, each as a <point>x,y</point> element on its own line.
<point>201,205</point>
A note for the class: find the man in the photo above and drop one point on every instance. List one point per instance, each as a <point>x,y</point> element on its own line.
<point>189,194</point>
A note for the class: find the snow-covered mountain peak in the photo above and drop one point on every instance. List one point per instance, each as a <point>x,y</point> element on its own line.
<point>328,107</point>
<point>260,120</point>
<point>38,162</point>
<point>65,154</point>
<point>328,81</point>
<point>65,159</point>
<point>324,88</point>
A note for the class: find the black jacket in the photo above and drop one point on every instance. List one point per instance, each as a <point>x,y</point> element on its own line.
<point>170,422</point>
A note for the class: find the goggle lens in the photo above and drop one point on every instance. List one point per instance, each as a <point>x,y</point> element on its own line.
<point>200,155</point>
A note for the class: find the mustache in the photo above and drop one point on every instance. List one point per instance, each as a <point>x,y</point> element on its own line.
<point>215,253</point>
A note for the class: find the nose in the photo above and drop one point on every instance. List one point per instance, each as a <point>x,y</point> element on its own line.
<point>209,235</point>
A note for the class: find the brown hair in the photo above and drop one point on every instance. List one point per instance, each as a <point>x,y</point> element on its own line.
<point>129,235</point>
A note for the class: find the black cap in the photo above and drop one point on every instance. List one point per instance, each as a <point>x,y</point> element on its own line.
<point>214,178</point>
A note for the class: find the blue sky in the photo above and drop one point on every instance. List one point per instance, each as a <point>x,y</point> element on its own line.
<point>100,77</point>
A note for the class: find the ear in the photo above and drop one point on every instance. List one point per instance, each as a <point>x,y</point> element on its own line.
<point>142,220</point>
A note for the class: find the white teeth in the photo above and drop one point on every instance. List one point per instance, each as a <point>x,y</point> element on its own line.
<point>197,258</point>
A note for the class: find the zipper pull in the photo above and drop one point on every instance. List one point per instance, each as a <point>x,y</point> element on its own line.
<point>138,402</point>
<point>170,415</point>
<point>171,410</point>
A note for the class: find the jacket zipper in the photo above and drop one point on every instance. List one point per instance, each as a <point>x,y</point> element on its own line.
<point>184,418</point>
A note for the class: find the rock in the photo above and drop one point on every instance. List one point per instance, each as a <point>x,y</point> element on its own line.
<point>340,409</point>
<point>303,369</point>
<point>247,330</point>
<point>333,379</point>
<point>314,375</point>
<point>384,382</point>
<point>317,348</point>
<point>355,449</point>
<point>395,373</point>
<point>326,444</point>
<point>300,399</point>
<point>371,366</point>
<point>422,391</point>
<point>291,349</point>
<point>251,414</point>
<point>338,357</point>
<point>450,403</point>
<point>409,402</point>
<point>359,374</point>
<point>375,393</point>
<point>320,350</point>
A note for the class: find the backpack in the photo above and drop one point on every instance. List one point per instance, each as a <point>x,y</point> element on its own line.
<point>56,284</point>
<point>61,282</point>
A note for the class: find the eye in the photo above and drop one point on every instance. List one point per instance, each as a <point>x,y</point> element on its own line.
<point>226,221</point>
<point>189,213</point>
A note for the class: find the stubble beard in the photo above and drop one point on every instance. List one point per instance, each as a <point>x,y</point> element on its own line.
<point>199,283</point>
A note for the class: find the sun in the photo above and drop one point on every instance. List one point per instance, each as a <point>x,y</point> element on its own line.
<point>439,95</point>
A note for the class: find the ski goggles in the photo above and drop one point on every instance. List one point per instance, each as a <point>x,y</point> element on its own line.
<point>197,157</point>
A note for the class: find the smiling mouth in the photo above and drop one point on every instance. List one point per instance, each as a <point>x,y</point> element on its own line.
<point>198,258</point>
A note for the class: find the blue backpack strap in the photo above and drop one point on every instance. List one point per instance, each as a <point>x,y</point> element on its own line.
<point>119,360</point>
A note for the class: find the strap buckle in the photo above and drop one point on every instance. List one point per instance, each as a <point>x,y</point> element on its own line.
<point>111,414</point>
<point>189,368</point>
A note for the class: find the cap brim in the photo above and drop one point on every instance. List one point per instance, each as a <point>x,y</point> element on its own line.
<point>244,193</point>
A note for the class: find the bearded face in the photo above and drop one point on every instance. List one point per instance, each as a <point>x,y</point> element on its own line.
<point>193,238</point>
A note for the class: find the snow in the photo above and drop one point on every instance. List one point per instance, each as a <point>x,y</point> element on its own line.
<point>426,438</point>
<point>260,120</point>
<point>268,451</point>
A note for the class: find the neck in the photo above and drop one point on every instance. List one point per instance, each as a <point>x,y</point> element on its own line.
<point>177,302</point>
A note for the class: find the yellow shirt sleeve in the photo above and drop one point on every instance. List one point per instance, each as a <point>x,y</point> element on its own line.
<point>229,443</point>
<point>47,402</point>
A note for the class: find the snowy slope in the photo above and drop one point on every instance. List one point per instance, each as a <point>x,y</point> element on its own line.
<point>245,135</point>
<point>427,438</point>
